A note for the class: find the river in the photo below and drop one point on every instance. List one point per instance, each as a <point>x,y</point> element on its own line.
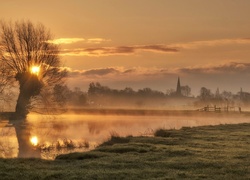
<point>70,132</point>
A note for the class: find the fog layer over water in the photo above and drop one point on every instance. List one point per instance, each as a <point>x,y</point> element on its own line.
<point>94,129</point>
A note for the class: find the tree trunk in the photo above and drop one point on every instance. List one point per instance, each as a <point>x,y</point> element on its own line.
<point>30,86</point>
<point>22,105</point>
<point>25,148</point>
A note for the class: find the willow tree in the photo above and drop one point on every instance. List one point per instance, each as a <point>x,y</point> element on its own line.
<point>27,52</point>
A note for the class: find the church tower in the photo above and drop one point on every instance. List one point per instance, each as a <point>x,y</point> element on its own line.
<point>178,88</point>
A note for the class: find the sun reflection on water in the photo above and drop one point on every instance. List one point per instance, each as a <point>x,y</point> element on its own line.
<point>34,140</point>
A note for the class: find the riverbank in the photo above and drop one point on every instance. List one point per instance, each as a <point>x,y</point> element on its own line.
<point>211,152</point>
<point>150,112</point>
<point>136,112</point>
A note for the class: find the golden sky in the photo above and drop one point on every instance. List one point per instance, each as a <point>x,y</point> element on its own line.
<point>147,43</point>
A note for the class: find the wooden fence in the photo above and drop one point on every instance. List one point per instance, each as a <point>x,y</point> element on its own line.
<point>220,109</point>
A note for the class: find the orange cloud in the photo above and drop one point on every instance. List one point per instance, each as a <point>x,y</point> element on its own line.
<point>217,42</point>
<point>130,50</point>
<point>97,40</point>
<point>76,40</point>
<point>120,50</point>
<point>66,40</point>
<point>226,68</point>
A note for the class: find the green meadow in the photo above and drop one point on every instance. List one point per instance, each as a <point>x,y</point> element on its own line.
<point>207,152</point>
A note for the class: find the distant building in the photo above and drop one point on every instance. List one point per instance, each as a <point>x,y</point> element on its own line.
<point>178,88</point>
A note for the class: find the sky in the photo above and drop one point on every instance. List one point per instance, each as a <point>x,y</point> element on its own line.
<point>146,43</point>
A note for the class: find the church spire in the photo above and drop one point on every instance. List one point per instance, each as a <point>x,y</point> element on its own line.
<point>178,88</point>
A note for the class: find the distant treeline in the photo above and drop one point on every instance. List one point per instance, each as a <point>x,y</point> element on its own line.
<point>225,98</point>
<point>99,95</point>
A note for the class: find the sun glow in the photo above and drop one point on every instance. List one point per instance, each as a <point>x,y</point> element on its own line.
<point>35,70</point>
<point>34,140</point>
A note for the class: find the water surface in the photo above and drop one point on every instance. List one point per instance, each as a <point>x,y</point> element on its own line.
<point>86,131</point>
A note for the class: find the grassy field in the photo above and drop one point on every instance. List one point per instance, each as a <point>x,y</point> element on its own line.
<point>210,152</point>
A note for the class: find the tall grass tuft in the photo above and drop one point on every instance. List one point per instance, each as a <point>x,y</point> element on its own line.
<point>116,139</point>
<point>162,133</point>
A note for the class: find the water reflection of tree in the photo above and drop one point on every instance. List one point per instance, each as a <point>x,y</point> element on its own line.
<point>53,136</point>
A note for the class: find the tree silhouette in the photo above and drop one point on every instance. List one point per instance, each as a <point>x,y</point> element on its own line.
<point>185,90</point>
<point>28,54</point>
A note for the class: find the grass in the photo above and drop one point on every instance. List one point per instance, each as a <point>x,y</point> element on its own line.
<point>208,152</point>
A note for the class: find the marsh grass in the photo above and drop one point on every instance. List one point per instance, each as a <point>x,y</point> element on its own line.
<point>208,152</point>
<point>64,144</point>
<point>115,138</point>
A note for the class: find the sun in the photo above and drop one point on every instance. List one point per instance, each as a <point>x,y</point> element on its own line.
<point>34,140</point>
<point>35,70</point>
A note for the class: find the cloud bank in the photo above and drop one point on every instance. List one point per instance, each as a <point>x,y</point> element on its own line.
<point>120,50</point>
<point>76,40</point>
<point>66,40</point>
<point>212,43</point>
<point>226,68</point>
<point>130,50</point>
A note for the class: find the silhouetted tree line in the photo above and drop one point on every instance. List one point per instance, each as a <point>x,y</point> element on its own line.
<point>185,91</point>
<point>102,95</point>
<point>99,95</point>
<point>226,98</point>
<point>68,97</point>
<point>96,89</point>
